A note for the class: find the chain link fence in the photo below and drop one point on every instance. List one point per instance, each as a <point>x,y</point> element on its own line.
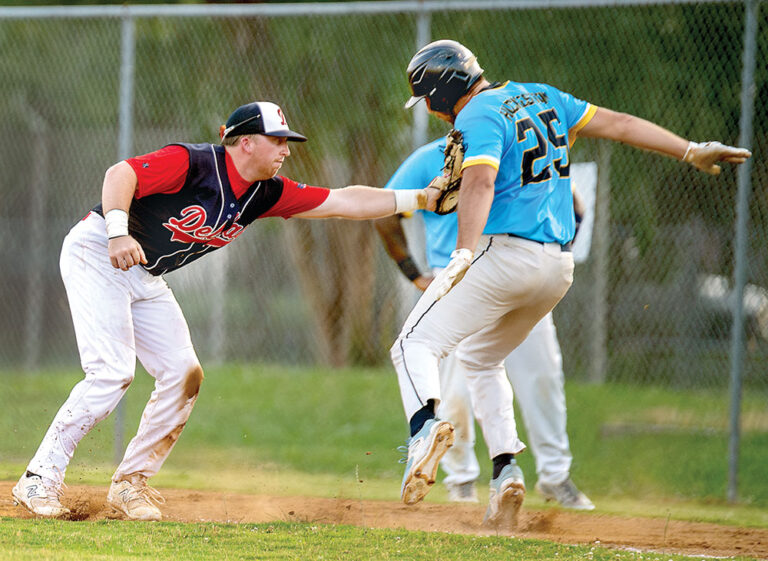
<point>651,305</point>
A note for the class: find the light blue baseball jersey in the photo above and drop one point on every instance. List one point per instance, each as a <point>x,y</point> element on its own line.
<point>525,131</point>
<point>416,172</point>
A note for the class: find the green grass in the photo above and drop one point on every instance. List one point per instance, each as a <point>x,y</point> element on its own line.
<point>282,430</point>
<point>50,539</point>
<point>334,433</point>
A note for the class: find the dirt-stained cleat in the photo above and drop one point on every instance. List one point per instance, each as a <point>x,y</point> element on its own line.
<point>425,449</point>
<point>566,494</point>
<point>135,499</point>
<point>506,497</point>
<point>39,495</point>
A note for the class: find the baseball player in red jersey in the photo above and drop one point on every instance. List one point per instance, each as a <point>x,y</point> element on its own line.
<point>160,212</point>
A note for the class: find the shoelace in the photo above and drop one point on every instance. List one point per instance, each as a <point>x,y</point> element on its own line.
<point>153,495</point>
<point>403,453</point>
<point>52,489</point>
<point>146,494</point>
<point>57,488</point>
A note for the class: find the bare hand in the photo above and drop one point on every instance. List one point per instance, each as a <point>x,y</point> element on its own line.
<point>423,281</point>
<point>125,252</point>
<point>703,156</point>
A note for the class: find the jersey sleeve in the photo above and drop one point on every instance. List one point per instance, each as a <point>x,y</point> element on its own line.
<point>162,171</point>
<point>297,198</point>
<point>577,112</point>
<point>484,133</point>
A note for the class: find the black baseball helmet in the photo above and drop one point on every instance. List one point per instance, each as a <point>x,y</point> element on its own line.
<point>442,72</point>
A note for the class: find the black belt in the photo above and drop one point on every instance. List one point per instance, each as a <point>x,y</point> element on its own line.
<point>567,247</point>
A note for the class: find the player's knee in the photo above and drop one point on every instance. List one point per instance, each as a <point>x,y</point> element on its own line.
<point>475,366</point>
<point>398,351</point>
<point>193,379</point>
<point>108,376</point>
<point>126,380</point>
<point>395,351</point>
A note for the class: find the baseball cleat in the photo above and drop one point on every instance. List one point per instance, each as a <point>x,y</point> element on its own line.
<point>566,494</point>
<point>462,492</point>
<point>425,449</point>
<point>137,500</point>
<point>506,497</point>
<point>39,495</point>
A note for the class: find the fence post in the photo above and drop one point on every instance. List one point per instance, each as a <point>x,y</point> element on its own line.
<point>420,115</point>
<point>124,148</point>
<point>601,240</point>
<point>740,257</point>
<point>414,228</point>
<point>36,266</point>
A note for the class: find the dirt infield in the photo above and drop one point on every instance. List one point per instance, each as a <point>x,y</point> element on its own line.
<point>660,535</point>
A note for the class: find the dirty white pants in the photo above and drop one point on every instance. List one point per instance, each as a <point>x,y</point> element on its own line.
<point>119,316</point>
<point>535,371</point>
<point>510,286</point>
<point>460,462</point>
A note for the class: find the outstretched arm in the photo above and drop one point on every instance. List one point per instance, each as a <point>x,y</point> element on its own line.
<point>116,195</point>
<point>359,202</point>
<point>643,134</point>
<point>391,231</point>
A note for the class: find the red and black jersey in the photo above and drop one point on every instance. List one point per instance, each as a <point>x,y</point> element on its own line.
<point>180,216</point>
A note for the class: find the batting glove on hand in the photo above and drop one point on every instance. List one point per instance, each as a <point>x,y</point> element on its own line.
<point>703,155</point>
<point>449,277</point>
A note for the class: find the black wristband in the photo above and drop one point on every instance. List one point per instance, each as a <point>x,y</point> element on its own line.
<point>409,268</point>
<point>579,217</point>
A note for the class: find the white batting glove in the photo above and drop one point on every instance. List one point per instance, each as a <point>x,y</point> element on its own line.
<point>703,155</point>
<point>449,277</point>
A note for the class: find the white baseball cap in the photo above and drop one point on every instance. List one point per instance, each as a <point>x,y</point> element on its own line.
<point>260,117</point>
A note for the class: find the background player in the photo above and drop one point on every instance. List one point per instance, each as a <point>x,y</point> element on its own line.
<point>515,224</point>
<point>534,368</point>
<point>158,213</point>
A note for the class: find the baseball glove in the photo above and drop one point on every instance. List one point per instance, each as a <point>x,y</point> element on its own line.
<point>450,181</point>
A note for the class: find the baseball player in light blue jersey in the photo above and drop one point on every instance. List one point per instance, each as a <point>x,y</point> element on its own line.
<point>534,368</point>
<point>512,263</point>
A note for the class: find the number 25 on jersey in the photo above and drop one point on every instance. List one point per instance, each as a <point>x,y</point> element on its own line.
<point>526,127</point>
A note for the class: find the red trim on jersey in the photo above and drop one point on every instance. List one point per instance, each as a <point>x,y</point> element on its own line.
<point>297,198</point>
<point>162,171</point>
<point>165,171</point>
<point>238,184</point>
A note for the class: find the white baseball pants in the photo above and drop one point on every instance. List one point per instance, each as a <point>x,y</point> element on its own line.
<point>535,371</point>
<point>119,316</point>
<point>460,462</point>
<point>510,286</point>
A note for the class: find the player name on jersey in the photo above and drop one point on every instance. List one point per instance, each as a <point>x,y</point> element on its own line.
<point>513,104</point>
